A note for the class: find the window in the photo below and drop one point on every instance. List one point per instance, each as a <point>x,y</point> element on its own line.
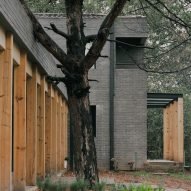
<point>127,54</point>
<point>93,118</point>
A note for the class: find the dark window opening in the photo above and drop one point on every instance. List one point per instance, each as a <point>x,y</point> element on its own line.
<point>93,118</point>
<point>128,54</point>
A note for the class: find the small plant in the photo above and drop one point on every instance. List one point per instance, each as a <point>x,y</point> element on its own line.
<point>99,186</point>
<point>48,185</point>
<point>79,185</point>
<point>141,187</point>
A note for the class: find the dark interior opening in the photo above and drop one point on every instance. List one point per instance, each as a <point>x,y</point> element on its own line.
<point>129,54</point>
<point>155,133</point>
<point>93,118</point>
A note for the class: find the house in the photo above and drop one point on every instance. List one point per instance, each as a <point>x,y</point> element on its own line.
<point>33,112</point>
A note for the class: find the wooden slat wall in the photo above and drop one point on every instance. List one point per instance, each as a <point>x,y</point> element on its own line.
<point>40,134</point>
<point>174,132</point>
<point>20,124</point>
<point>31,128</point>
<point>6,114</point>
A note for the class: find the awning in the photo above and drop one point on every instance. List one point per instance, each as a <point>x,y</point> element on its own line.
<point>161,100</point>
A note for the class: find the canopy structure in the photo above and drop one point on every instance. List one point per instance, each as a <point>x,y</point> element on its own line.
<point>161,100</point>
<point>173,127</point>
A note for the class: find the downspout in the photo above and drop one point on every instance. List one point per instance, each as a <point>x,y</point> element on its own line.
<point>111,95</point>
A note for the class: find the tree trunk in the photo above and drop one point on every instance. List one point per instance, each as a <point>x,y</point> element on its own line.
<point>85,163</point>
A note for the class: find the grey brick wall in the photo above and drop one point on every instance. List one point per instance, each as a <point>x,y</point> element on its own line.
<point>130,131</point>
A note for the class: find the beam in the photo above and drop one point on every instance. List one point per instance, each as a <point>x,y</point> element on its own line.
<point>32,128</point>
<point>20,124</point>
<point>6,66</point>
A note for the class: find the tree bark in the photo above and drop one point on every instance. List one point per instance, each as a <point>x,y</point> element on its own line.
<point>85,163</point>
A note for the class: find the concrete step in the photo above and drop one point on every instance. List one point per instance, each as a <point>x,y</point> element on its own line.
<point>162,166</point>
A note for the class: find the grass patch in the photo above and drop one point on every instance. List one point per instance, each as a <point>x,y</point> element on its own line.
<point>48,185</point>
<point>181,175</point>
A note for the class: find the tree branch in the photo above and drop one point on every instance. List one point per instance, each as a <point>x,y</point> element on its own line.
<point>95,50</point>
<point>46,41</point>
<point>128,44</point>
<point>57,31</point>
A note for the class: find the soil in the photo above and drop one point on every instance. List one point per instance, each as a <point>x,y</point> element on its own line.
<point>165,180</point>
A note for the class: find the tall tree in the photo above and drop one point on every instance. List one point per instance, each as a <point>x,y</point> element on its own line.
<point>75,65</point>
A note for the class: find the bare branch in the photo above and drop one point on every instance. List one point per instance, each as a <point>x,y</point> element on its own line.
<point>128,44</point>
<point>176,20</point>
<point>95,50</point>
<point>45,40</point>
<point>56,30</point>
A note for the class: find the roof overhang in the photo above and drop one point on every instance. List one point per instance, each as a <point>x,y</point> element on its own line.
<point>161,100</point>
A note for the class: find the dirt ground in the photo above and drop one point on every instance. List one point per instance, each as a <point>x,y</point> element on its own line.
<point>172,180</point>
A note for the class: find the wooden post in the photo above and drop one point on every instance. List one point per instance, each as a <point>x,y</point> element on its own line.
<point>58,134</point>
<point>180,129</point>
<point>62,136</point>
<point>6,66</point>
<point>165,133</point>
<point>41,130</point>
<point>54,133</point>
<point>66,129</point>
<point>31,128</point>
<point>20,124</point>
<point>175,131</point>
<point>48,130</point>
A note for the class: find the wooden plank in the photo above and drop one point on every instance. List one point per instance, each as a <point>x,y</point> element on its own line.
<point>62,136</point>
<point>31,129</point>
<point>170,133</point>
<point>66,129</point>
<point>54,134</point>
<point>165,134</point>
<point>20,124</point>
<point>180,130</point>
<point>48,130</point>
<point>6,115</point>
<point>175,132</point>
<point>41,129</point>
<point>58,134</point>
<point>2,55</point>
